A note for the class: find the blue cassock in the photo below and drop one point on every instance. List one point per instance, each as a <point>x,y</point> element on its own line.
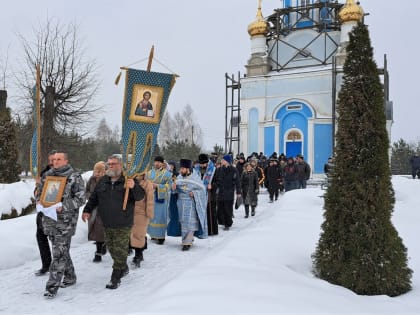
<point>157,226</point>
<point>192,211</point>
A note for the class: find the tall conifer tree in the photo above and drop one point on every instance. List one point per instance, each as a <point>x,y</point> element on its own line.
<point>359,248</point>
<point>9,168</point>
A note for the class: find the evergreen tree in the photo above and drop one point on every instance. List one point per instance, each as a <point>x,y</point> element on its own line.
<point>176,150</point>
<point>9,168</point>
<point>401,153</point>
<point>359,248</point>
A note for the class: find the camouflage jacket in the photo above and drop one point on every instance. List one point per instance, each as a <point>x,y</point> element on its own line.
<point>73,198</point>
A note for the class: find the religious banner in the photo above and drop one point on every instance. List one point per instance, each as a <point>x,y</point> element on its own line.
<point>145,100</point>
<point>36,136</point>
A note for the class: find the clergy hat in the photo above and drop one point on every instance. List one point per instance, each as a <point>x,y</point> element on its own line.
<point>185,163</point>
<point>159,159</point>
<point>227,158</point>
<point>203,158</point>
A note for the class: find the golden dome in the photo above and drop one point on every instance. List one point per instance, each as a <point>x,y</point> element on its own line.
<point>259,26</point>
<point>351,12</point>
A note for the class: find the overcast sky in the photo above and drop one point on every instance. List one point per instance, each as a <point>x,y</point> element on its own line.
<point>201,41</point>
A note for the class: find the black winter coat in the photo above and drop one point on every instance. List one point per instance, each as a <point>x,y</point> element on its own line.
<point>274,177</point>
<point>303,171</point>
<point>108,196</point>
<point>227,181</point>
<point>250,187</point>
<point>290,172</point>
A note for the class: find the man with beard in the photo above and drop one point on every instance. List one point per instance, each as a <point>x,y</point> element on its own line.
<point>108,196</point>
<point>61,230</point>
<point>191,204</point>
<point>206,170</point>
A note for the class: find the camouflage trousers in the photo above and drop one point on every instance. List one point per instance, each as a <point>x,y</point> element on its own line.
<point>61,264</point>
<point>117,241</point>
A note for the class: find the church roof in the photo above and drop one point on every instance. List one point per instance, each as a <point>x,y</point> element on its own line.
<point>259,26</point>
<point>351,12</point>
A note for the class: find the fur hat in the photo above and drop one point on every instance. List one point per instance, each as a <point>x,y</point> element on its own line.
<point>185,163</point>
<point>159,159</point>
<point>227,158</point>
<point>203,158</point>
<point>99,167</point>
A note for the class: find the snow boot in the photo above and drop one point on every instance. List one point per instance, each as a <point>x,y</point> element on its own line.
<point>186,247</point>
<point>246,212</point>
<point>67,283</point>
<point>50,293</point>
<point>103,249</point>
<point>41,271</point>
<point>100,251</point>
<point>252,211</point>
<point>138,257</point>
<point>125,271</point>
<point>115,279</point>
<point>97,258</point>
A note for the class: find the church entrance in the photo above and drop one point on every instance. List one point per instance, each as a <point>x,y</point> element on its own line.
<point>294,143</point>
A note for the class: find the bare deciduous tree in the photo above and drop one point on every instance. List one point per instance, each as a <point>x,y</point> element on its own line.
<point>68,82</point>
<point>65,73</point>
<point>182,126</point>
<point>3,70</point>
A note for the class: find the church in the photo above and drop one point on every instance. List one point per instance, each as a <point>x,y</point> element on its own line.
<point>286,101</point>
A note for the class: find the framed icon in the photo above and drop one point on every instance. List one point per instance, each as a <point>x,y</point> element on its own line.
<point>146,103</point>
<point>52,191</point>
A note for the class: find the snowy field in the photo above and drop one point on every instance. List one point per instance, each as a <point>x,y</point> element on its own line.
<point>261,266</point>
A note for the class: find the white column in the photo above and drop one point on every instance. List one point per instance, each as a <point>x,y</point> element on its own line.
<point>261,138</point>
<point>310,142</point>
<point>277,137</point>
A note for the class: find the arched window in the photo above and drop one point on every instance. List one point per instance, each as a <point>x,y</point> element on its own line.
<point>294,136</point>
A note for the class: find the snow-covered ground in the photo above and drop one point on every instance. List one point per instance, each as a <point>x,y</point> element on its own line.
<point>261,266</point>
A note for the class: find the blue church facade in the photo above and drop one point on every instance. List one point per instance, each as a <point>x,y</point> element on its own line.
<point>286,98</point>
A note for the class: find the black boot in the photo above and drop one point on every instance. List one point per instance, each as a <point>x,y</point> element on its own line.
<point>138,258</point>
<point>246,212</point>
<point>125,271</point>
<point>98,254</point>
<point>103,249</point>
<point>50,292</point>
<point>186,247</point>
<point>42,271</point>
<point>115,279</point>
<point>252,211</point>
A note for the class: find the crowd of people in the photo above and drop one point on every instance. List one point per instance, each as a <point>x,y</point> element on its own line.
<point>122,212</point>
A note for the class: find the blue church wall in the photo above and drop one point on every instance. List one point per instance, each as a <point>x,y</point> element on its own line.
<point>322,145</point>
<point>269,138</point>
<point>253,130</point>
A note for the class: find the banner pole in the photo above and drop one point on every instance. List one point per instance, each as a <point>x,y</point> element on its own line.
<point>149,64</point>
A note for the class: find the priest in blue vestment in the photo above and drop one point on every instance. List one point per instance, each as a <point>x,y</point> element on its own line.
<point>162,180</point>
<point>192,204</point>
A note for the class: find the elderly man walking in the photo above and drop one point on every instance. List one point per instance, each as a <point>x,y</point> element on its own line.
<point>108,196</point>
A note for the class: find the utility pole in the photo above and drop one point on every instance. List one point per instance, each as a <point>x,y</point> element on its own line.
<point>192,135</point>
